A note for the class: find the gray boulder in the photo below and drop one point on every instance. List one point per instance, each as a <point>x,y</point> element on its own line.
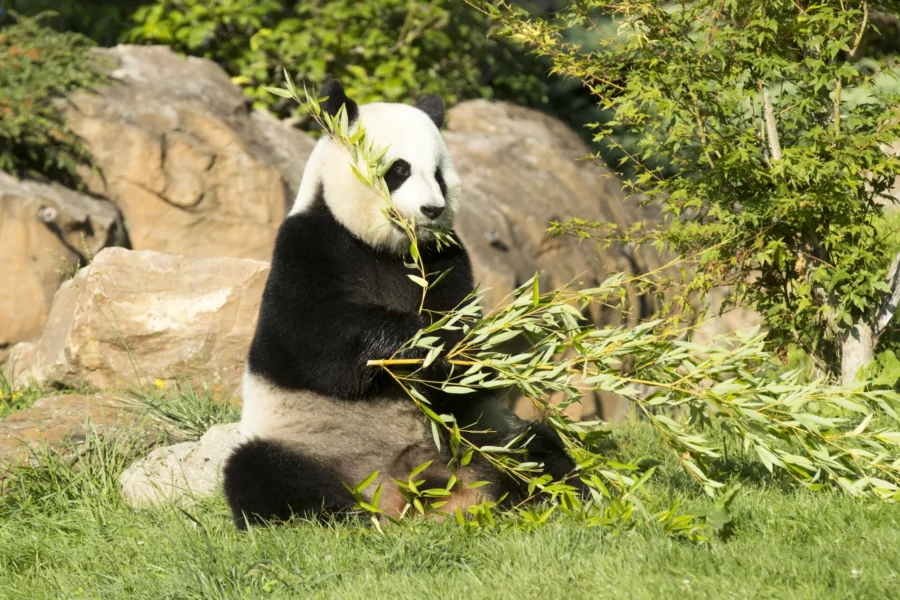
<point>180,474</point>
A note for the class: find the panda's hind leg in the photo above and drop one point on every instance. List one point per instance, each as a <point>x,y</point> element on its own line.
<point>266,481</point>
<point>541,442</point>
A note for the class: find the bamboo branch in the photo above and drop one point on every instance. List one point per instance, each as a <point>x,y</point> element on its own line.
<point>397,362</point>
<point>774,145</point>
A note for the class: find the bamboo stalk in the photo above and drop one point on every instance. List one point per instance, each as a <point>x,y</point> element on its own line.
<point>394,362</point>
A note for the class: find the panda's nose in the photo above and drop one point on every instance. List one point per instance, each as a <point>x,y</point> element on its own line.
<point>432,212</point>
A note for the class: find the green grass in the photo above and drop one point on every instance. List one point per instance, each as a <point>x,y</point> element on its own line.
<point>65,533</point>
<point>191,409</point>
<point>16,398</point>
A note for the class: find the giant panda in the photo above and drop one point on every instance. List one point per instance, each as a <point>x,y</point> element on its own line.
<point>315,417</point>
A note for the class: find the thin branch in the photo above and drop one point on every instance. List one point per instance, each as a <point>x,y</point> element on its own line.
<point>702,131</point>
<point>862,30</point>
<point>837,106</point>
<point>774,144</point>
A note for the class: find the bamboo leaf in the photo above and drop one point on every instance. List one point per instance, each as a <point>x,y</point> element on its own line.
<point>279,92</point>
<point>419,469</point>
<point>366,482</point>
<point>418,281</point>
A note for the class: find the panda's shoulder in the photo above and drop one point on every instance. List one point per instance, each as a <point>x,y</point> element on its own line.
<point>311,234</point>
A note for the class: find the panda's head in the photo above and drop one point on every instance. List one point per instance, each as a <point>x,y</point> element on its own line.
<point>423,184</point>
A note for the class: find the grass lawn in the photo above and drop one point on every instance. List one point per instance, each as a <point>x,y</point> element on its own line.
<point>65,533</point>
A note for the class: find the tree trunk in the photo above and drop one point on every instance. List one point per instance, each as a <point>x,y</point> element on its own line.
<point>857,350</point>
<point>859,342</point>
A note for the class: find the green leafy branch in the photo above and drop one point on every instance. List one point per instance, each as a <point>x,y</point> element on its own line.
<point>812,432</point>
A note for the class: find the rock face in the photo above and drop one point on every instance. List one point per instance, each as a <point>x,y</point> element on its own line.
<point>132,317</point>
<point>519,172</point>
<point>181,156</point>
<point>182,473</point>
<point>45,230</point>
<point>193,170</point>
<point>61,422</point>
<point>196,173</point>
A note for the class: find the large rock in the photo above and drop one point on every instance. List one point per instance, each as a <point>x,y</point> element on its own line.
<point>520,171</point>
<point>196,173</point>
<point>183,473</point>
<point>63,423</point>
<point>134,316</point>
<point>46,230</point>
<point>193,169</point>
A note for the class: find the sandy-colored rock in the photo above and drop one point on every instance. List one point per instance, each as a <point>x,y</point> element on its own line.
<point>45,231</point>
<point>182,473</point>
<point>519,172</point>
<point>63,423</point>
<point>134,316</point>
<point>192,168</point>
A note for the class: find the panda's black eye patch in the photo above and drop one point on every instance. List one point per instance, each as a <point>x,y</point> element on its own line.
<point>397,174</point>
<point>439,177</point>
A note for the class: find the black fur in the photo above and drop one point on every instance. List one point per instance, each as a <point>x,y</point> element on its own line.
<point>332,303</point>
<point>433,106</point>
<point>337,98</point>
<point>439,177</point>
<point>398,173</point>
<point>266,481</point>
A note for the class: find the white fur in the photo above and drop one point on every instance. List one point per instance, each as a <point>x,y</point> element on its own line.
<point>409,134</point>
<point>336,432</point>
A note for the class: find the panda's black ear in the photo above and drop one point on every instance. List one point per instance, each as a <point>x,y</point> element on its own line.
<point>433,106</point>
<point>336,98</point>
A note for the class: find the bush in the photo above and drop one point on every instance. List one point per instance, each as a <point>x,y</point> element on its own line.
<point>388,50</point>
<point>39,66</point>
<point>103,22</point>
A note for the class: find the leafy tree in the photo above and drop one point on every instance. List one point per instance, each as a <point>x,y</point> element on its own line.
<point>40,67</point>
<point>380,49</point>
<point>777,134</point>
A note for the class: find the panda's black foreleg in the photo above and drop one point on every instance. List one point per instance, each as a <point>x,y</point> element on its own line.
<point>545,446</point>
<point>498,426</point>
<point>266,481</point>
